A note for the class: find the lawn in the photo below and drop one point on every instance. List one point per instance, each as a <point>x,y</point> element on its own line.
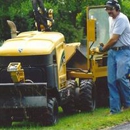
<point>99,119</point>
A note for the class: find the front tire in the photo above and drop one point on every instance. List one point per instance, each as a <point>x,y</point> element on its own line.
<point>50,117</point>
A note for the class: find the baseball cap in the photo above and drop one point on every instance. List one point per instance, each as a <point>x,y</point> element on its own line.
<point>112,3</point>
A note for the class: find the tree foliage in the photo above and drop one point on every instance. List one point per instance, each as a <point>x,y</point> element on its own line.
<point>69,15</point>
<point>126,7</point>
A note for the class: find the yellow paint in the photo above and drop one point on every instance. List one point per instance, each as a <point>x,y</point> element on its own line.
<point>31,43</point>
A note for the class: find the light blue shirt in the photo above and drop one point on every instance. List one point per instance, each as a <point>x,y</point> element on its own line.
<point>121,26</point>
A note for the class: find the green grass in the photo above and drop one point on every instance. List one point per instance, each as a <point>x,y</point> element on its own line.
<point>96,120</point>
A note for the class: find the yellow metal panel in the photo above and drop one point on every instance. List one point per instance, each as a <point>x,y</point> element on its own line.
<point>91,30</point>
<point>70,50</point>
<point>61,65</point>
<point>31,43</point>
<point>98,72</point>
<point>62,80</point>
<point>75,74</point>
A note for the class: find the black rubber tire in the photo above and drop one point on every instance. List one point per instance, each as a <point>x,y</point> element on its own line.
<point>87,101</point>
<point>69,106</point>
<point>50,117</point>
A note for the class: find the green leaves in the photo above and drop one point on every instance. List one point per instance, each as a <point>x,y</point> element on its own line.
<point>69,15</point>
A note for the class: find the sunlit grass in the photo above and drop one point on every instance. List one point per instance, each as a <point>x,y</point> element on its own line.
<point>96,120</point>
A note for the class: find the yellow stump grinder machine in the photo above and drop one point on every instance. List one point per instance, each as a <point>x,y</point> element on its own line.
<point>39,72</point>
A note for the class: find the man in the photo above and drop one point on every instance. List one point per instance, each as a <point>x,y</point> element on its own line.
<point>118,63</point>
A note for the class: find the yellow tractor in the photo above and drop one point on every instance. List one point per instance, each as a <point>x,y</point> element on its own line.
<point>39,72</point>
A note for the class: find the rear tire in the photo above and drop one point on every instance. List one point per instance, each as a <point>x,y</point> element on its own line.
<point>69,106</point>
<point>87,96</point>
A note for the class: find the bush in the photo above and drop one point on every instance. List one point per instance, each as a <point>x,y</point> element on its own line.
<point>4,30</point>
<point>71,33</point>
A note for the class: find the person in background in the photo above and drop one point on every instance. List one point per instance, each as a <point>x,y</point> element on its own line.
<point>118,47</point>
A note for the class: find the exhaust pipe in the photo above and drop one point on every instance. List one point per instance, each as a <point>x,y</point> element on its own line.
<point>13,28</point>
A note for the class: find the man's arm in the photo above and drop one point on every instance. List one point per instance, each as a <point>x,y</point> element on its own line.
<point>111,42</point>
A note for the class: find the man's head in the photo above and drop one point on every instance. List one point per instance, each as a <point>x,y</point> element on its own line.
<point>113,8</point>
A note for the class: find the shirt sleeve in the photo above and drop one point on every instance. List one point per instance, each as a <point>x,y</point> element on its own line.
<point>119,26</point>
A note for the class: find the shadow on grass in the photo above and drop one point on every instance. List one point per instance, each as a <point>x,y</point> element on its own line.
<point>24,125</point>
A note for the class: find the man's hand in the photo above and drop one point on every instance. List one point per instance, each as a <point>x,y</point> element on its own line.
<point>98,49</point>
<point>101,47</point>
